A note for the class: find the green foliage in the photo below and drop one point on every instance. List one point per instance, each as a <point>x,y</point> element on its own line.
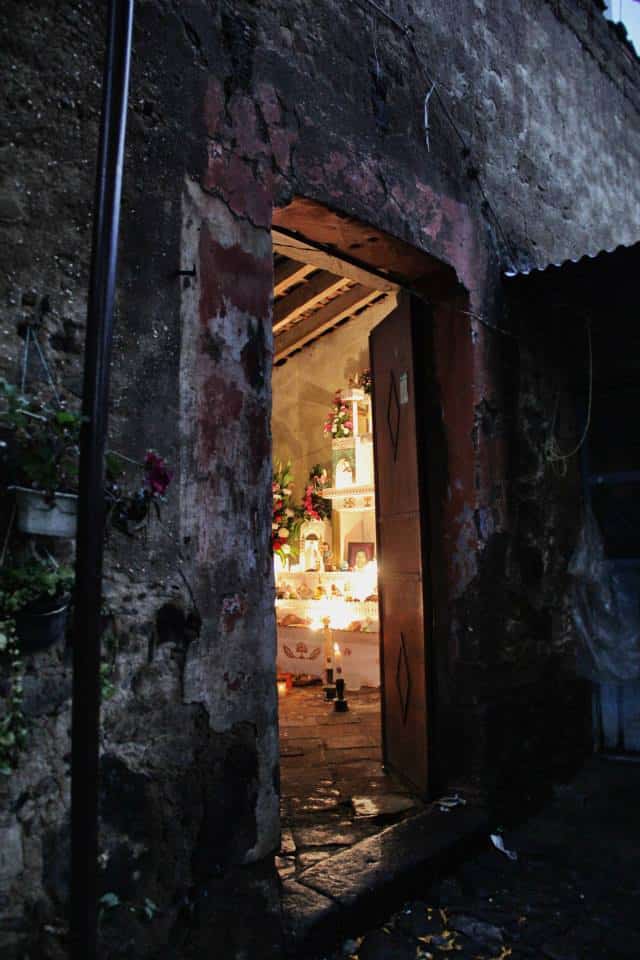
<point>147,910</point>
<point>42,442</point>
<point>33,583</point>
<point>13,731</point>
<point>29,584</point>
<point>107,686</point>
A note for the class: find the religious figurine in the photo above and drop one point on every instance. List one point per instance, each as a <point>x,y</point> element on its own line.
<point>326,556</point>
<point>311,553</point>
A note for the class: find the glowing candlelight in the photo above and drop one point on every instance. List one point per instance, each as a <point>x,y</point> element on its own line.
<point>337,653</point>
<point>282,687</point>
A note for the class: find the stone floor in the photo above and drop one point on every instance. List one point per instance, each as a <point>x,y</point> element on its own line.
<point>571,892</point>
<point>334,791</point>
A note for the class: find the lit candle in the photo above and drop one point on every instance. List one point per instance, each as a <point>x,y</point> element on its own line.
<point>282,687</point>
<point>328,649</point>
<point>328,639</point>
<point>337,653</point>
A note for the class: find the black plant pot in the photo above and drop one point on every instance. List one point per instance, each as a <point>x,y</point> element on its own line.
<point>38,629</point>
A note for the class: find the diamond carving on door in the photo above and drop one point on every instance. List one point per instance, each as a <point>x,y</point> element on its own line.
<point>393,415</point>
<point>399,404</point>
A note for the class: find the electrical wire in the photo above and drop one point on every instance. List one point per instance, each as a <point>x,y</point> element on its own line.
<point>435,89</point>
<point>552,452</point>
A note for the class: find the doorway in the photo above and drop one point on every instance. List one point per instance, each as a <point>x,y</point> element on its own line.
<point>351,680</point>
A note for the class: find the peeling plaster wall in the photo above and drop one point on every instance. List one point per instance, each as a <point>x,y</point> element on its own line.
<point>236,107</point>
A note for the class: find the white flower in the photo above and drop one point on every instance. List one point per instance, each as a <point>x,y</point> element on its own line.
<point>287,491</point>
<point>285,548</point>
<point>346,432</point>
<point>283,532</point>
<point>289,512</point>
<point>274,526</point>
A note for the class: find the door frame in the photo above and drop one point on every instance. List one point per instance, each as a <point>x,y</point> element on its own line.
<point>341,242</point>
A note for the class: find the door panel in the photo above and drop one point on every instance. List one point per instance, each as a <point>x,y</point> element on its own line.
<point>399,450</point>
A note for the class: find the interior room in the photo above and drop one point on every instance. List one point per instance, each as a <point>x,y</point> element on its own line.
<point>324,529</point>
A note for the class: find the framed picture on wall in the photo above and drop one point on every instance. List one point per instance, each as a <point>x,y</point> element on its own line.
<point>360,554</point>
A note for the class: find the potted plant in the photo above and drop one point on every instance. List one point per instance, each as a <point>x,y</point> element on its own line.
<point>129,506</point>
<point>40,453</point>
<point>35,594</point>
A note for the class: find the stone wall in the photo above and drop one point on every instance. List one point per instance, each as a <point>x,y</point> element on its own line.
<point>236,107</point>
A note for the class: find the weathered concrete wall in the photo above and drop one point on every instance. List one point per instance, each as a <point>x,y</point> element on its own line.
<point>235,107</point>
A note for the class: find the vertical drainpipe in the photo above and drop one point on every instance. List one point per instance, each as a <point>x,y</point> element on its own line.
<point>85,722</point>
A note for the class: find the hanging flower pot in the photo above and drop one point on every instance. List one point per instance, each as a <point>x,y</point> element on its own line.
<point>38,629</point>
<point>50,515</point>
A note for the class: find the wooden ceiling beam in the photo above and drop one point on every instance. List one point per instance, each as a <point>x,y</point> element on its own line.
<point>304,252</point>
<point>288,273</point>
<point>305,297</point>
<point>327,317</point>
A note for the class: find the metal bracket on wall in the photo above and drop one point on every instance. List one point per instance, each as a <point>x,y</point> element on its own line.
<point>186,273</point>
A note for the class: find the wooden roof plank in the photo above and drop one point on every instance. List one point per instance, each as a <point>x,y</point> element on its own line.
<point>305,297</point>
<point>327,317</point>
<point>296,249</point>
<point>288,273</point>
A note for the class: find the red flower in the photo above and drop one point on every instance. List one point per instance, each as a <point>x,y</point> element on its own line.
<point>158,477</point>
<point>276,543</point>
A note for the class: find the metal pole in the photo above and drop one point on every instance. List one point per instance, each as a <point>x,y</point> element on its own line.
<point>85,723</point>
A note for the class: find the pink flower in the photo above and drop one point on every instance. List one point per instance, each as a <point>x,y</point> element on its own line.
<point>158,477</point>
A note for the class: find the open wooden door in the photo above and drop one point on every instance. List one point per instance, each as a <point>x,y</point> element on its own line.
<point>400,515</point>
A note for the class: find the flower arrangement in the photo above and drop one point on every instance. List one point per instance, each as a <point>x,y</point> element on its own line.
<point>128,510</point>
<point>363,380</point>
<point>338,423</point>
<point>314,506</point>
<point>286,520</point>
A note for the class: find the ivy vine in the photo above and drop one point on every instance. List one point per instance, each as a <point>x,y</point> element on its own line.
<point>13,729</point>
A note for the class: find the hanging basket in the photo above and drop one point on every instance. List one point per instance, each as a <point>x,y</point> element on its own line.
<point>39,629</point>
<point>46,516</point>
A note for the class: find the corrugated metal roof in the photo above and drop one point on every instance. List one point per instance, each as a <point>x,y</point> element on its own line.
<point>602,256</point>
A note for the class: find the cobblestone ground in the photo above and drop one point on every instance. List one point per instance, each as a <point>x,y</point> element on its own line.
<point>334,791</point>
<point>572,894</point>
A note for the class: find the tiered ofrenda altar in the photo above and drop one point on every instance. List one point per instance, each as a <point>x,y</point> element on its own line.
<point>327,603</point>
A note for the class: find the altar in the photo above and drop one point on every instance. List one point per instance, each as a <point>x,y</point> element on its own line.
<point>327,582</point>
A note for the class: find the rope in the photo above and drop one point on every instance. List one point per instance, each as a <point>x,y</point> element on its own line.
<point>31,336</point>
